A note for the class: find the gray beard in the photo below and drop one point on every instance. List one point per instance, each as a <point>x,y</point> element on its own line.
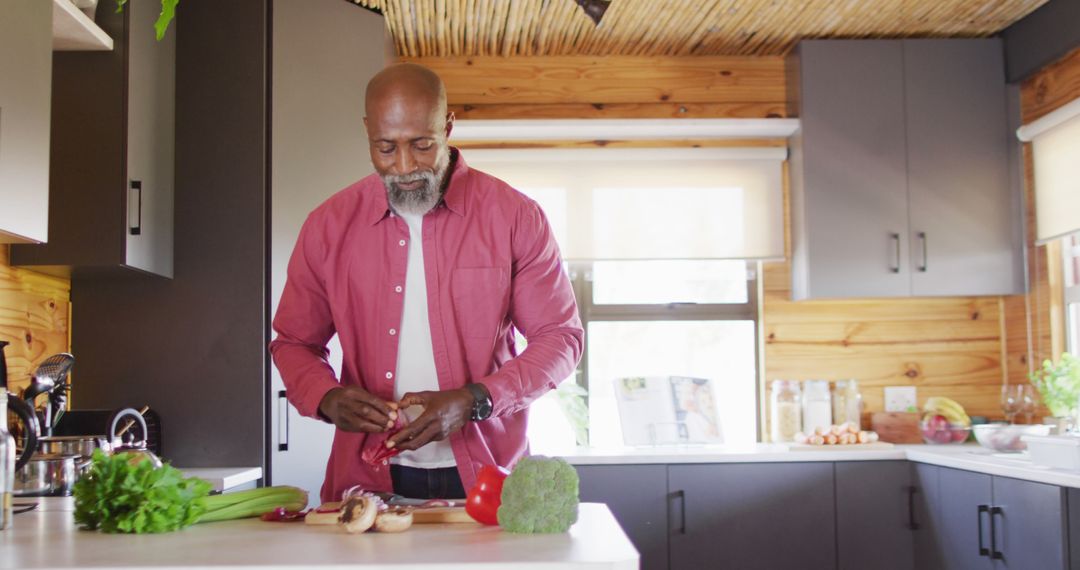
<point>424,198</point>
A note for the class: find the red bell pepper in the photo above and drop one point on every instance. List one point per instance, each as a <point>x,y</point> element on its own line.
<point>483,500</point>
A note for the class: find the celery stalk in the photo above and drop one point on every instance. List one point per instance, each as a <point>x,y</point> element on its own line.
<point>252,503</point>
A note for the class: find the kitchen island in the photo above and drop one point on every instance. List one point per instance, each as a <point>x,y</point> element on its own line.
<point>48,538</point>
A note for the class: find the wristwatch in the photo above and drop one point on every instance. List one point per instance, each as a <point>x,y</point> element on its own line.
<point>481,409</point>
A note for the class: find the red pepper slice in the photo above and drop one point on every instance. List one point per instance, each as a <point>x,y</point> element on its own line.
<point>280,514</point>
<point>375,451</point>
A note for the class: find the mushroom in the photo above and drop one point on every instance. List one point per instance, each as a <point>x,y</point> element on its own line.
<point>359,512</point>
<point>395,519</point>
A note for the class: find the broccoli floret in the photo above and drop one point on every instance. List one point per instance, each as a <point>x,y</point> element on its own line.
<point>539,496</point>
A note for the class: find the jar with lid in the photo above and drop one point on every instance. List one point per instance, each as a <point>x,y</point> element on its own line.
<point>847,403</point>
<point>817,406</point>
<point>785,407</point>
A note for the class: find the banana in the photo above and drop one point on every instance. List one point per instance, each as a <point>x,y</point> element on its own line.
<point>952,411</point>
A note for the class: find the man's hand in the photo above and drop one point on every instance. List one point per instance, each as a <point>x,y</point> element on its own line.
<point>444,413</point>
<point>355,409</point>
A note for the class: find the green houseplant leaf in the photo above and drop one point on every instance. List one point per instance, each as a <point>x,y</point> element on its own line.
<point>1059,384</point>
<point>168,13</point>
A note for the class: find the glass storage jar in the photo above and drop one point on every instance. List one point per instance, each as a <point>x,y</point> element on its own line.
<point>785,407</point>
<point>817,406</point>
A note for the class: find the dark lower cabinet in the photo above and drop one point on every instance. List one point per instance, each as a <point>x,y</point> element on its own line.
<point>963,507</point>
<point>974,521</point>
<point>880,515</point>
<point>1029,525</point>
<point>637,496</point>
<point>875,513</point>
<point>751,516</point>
<point>927,533</point>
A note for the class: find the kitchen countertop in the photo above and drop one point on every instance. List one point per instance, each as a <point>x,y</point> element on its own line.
<point>48,538</point>
<point>224,478</point>
<point>970,457</point>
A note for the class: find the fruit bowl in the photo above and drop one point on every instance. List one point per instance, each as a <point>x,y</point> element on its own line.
<point>938,430</point>
<point>1006,437</point>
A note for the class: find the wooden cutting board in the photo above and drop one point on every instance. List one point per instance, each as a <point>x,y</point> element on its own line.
<point>876,446</point>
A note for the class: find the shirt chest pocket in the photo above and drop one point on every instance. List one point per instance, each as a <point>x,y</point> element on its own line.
<point>481,297</point>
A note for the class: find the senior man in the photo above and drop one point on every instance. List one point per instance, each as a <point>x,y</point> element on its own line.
<point>423,270</point>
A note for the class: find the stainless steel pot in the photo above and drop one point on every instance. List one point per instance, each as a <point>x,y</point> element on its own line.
<point>48,475</point>
<point>81,445</point>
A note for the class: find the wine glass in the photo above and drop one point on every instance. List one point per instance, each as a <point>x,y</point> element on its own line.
<point>1012,400</point>
<point>1031,401</point>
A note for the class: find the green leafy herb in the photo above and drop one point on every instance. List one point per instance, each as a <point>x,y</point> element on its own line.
<point>125,493</point>
<point>1059,385</point>
<point>119,495</point>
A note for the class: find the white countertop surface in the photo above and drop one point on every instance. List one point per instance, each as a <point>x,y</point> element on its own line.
<point>48,538</point>
<point>224,478</point>
<point>969,456</point>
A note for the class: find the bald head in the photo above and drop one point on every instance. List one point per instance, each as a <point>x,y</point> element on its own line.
<point>405,81</point>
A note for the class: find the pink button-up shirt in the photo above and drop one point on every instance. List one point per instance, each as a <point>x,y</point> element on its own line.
<point>491,264</point>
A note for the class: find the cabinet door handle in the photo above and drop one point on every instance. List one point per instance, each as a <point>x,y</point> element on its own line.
<point>925,256</point>
<point>983,551</point>
<point>135,207</point>
<point>994,552</point>
<point>681,496</point>
<point>895,237</point>
<point>911,490</point>
<point>283,420</point>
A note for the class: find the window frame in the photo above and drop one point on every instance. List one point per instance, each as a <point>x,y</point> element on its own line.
<point>581,279</point>
<point>1070,253</point>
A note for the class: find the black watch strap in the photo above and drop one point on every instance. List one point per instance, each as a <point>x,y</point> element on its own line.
<point>481,409</point>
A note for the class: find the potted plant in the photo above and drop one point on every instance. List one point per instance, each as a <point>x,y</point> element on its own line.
<point>1059,386</point>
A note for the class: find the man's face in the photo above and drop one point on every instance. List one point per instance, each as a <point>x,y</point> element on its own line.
<point>408,142</point>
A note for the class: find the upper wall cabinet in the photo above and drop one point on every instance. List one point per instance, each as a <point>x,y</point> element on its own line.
<point>25,80</point>
<point>111,176</point>
<point>900,181</point>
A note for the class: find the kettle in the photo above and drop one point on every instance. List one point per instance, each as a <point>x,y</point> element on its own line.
<point>21,408</point>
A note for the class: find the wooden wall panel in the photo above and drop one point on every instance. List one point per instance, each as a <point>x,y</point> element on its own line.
<point>33,318</point>
<point>961,347</point>
<point>612,87</point>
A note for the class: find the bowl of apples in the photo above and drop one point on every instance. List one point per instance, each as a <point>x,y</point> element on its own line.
<point>937,429</point>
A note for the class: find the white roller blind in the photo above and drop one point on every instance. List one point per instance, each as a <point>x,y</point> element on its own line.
<point>618,204</point>
<point>1055,142</point>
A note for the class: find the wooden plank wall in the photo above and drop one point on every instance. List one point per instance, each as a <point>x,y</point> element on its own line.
<point>33,318</point>
<point>943,346</point>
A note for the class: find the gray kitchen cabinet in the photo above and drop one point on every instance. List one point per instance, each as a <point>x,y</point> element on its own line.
<point>112,160</point>
<point>875,513</point>
<point>752,516</point>
<point>1029,525</point>
<point>975,521</point>
<point>1073,500</point>
<point>927,532</point>
<point>848,185</point>
<point>959,190</point>
<point>900,183</point>
<point>637,496</point>
<point>26,68</point>
<point>963,509</point>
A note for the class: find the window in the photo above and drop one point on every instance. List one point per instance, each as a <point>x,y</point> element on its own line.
<point>1071,250</point>
<point>660,318</point>
<point>661,246</point>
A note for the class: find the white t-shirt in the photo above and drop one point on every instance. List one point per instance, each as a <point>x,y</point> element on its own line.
<point>416,357</point>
